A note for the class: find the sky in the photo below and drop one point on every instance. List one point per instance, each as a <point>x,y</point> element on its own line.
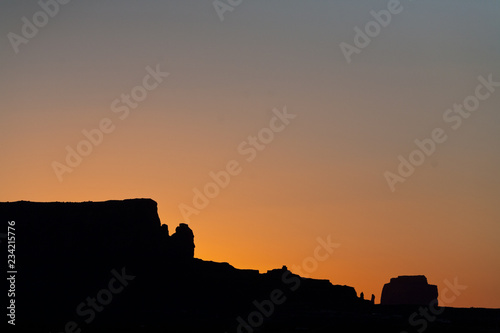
<point>271,127</point>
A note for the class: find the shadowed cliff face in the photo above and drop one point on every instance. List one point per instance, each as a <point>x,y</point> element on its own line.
<point>409,290</point>
<point>112,264</point>
<point>66,252</point>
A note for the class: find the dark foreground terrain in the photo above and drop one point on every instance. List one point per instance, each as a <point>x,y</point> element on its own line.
<point>112,267</point>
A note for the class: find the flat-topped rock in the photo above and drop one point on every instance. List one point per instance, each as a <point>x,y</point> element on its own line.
<point>408,290</point>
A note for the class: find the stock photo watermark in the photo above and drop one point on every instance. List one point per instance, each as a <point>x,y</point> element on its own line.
<point>453,117</point>
<point>363,37</point>
<point>93,305</point>
<point>121,106</point>
<point>266,308</point>
<point>11,272</point>
<point>249,149</point>
<point>222,6</point>
<point>30,28</point>
<point>420,319</point>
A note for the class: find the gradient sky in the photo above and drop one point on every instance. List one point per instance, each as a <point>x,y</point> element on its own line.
<point>322,175</point>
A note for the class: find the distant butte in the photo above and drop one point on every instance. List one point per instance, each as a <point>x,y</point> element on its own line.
<point>409,290</point>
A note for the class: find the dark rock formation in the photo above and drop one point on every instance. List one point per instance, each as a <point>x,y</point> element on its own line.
<point>182,242</point>
<point>69,252</point>
<point>409,290</point>
<point>66,251</point>
<point>112,267</point>
<point>164,228</point>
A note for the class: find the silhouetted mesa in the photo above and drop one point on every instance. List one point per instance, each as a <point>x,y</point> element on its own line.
<point>113,266</point>
<point>408,290</point>
<point>67,252</point>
